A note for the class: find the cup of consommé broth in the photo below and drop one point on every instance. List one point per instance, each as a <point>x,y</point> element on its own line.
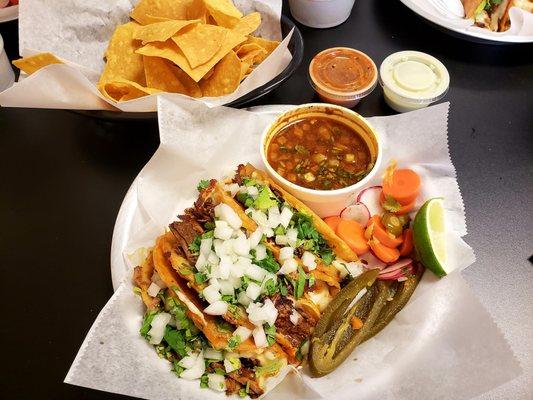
<point>321,153</point>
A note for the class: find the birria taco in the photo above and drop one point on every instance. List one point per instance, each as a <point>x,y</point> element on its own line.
<point>241,279</point>
<point>494,14</point>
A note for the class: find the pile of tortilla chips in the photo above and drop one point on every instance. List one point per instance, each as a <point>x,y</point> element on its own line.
<point>193,47</point>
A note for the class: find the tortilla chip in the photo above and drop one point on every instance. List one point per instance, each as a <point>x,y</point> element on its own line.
<point>200,43</point>
<point>197,10</point>
<point>224,12</point>
<point>248,24</point>
<point>193,89</point>
<point>161,31</point>
<point>160,75</point>
<point>172,52</point>
<point>122,61</point>
<point>251,53</point>
<point>145,10</point>
<point>245,67</point>
<point>268,45</point>
<point>124,90</point>
<point>34,63</point>
<point>225,78</point>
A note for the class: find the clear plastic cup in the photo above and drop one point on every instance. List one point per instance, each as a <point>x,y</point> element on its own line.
<point>350,92</point>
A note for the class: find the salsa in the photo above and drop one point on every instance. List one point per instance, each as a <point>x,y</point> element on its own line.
<point>319,153</point>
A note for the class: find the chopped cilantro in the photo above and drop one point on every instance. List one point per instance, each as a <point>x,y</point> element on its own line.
<point>265,199</point>
<point>147,322</point>
<point>233,342</point>
<point>194,247</point>
<point>310,239</point>
<point>228,298</point>
<point>270,287</point>
<point>220,371</point>
<point>300,283</point>
<point>223,325</point>
<point>200,277</point>
<point>270,331</point>
<point>204,183</point>
<point>178,369</point>
<point>204,381</point>
<point>242,392</point>
<point>137,290</point>
<point>175,340</point>
<point>268,263</point>
<point>311,280</point>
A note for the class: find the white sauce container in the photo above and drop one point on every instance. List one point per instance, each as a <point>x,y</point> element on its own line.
<point>321,13</point>
<point>412,80</point>
<point>7,76</point>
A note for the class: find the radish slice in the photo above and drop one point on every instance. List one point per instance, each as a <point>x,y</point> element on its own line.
<point>397,265</point>
<point>357,212</point>
<point>370,198</point>
<point>391,276</point>
<point>370,261</point>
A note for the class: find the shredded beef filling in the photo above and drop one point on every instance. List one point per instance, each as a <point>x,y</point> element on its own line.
<point>295,334</point>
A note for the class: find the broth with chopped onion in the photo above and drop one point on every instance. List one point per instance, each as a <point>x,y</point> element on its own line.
<point>319,153</point>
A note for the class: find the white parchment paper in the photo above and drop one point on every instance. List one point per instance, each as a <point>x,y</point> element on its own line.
<point>78,32</point>
<point>442,345</point>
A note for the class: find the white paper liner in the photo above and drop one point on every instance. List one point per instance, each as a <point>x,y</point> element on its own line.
<point>442,345</point>
<point>78,32</point>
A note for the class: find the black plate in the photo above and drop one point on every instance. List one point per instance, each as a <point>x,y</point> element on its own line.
<point>296,47</point>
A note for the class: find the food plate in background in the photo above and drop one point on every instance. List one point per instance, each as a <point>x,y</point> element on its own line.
<point>296,47</point>
<point>460,27</point>
<point>9,13</point>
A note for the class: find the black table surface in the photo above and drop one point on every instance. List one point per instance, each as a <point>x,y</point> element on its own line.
<point>63,177</point>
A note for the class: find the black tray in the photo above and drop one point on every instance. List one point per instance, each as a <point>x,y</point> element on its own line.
<point>296,47</point>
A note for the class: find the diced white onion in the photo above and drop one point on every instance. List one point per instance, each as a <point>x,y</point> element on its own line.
<point>268,232</point>
<point>158,281</point>
<point>243,299</point>
<point>285,253</point>
<point>320,298</point>
<point>153,289</point>
<point>224,267</point>
<point>217,308</point>
<point>274,217</point>
<point>285,217</point>
<point>213,354</point>
<point>222,232</point>
<point>205,246</point>
<point>309,260</point>
<point>259,313</point>
<point>196,370</point>
<point>226,287</point>
<point>201,263</point>
<point>271,312</point>
<point>259,217</point>
<point>295,317</point>
<point>340,265</point>
<point>253,290</point>
<point>226,213</point>
<point>252,191</point>
<point>216,382</point>
<point>243,333</point>
<point>212,258</point>
<point>232,362</point>
<point>260,339</point>
<point>211,293</point>
<point>254,272</point>
<point>292,236</point>
<point>255,238</point>
<point>157,327</point>
<point>260,252</point>
<point>305,348</point>
<point>241,246</point>
<point>218,245</point>
<point>232,188</point>
<point>281,240</point>
<point>188,361</point>
<point>354,268</point>
<point>288,267</point>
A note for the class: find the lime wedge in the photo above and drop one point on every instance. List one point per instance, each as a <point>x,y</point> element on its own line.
<point>429,230</point>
